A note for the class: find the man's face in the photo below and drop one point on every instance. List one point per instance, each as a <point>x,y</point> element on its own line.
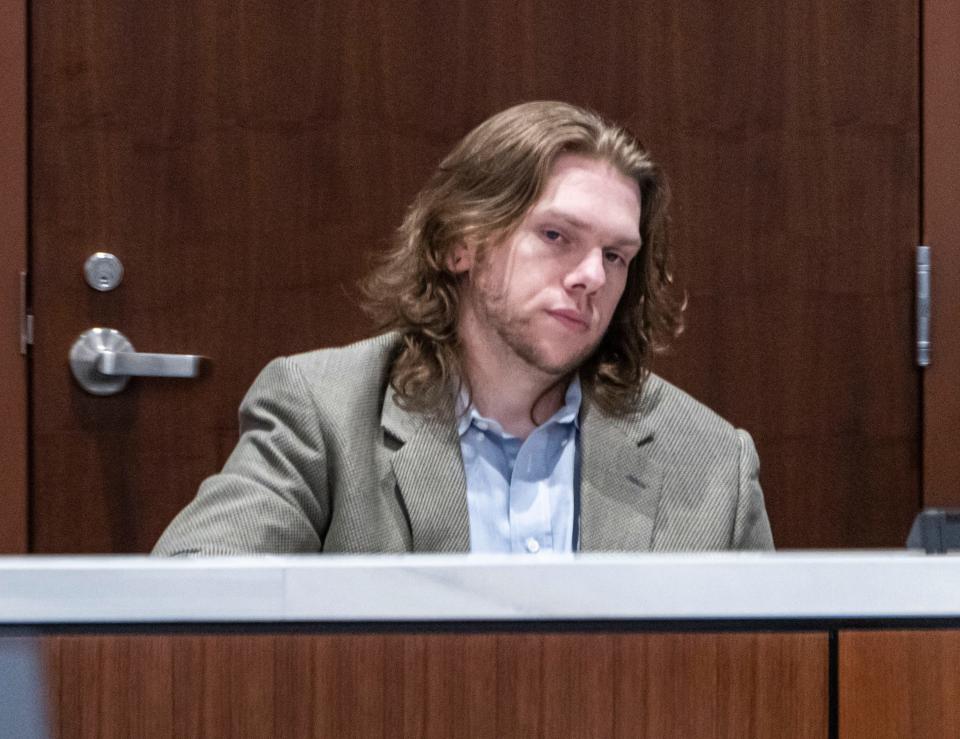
<point>544,296</point>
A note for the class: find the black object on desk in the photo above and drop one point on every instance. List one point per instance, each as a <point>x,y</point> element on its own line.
<point>936,531</point>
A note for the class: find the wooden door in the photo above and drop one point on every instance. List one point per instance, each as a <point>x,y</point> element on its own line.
<point>244,160</point>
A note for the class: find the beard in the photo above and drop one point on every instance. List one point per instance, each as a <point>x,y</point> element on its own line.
<point>519,335</point>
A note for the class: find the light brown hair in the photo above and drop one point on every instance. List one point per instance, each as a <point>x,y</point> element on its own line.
<point>481,191</point>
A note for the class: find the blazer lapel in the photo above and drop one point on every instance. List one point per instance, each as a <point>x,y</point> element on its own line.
<point>620,483</point>
<point>429,474</point>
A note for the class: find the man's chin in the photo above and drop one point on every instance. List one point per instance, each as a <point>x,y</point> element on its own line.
<point>552,355</point>
<point>560,363</point>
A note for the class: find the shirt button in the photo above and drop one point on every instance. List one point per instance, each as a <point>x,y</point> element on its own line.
<point>533,546</point>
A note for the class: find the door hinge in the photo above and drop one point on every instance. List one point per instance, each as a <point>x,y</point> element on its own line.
<point>26,319</point>
<point>923,306</point>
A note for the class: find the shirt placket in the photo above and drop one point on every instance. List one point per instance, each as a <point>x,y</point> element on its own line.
<point>531,529</point>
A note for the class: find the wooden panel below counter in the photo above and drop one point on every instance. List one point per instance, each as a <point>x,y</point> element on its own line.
<point>487,684</point>
<point>899,684</point>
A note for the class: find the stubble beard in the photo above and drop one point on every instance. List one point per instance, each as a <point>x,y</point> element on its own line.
<point>516,333</point>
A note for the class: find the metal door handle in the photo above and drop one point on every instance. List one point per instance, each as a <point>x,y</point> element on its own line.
<point>103,360</point>
<point>140,364</point>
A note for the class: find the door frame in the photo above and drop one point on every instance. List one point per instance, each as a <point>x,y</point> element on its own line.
<point>940,227</point>
<point>940,219</point>
<point>14,488</point>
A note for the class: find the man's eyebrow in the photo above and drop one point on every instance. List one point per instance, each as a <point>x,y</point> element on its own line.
<point>564,216</point>
<point>581,225</point>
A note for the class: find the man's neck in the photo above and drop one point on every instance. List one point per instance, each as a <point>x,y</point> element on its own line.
<point>512,393</point>
<point>516,405</point>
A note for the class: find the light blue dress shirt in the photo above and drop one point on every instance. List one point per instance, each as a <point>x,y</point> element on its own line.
<point>522,494</point>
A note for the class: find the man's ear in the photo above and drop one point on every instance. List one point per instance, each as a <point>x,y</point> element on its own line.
<point>460,258</point>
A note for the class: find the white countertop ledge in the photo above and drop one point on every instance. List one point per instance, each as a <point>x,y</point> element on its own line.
<point>438,588</point>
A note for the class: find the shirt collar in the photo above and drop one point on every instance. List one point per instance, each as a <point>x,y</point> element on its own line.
<point>468,415</point>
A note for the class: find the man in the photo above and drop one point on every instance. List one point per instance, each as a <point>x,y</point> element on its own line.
<point>509,407</point>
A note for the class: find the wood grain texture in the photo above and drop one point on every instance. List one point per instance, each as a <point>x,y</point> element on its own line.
<point>440,685</point>
<point>941,230</point>
<point>13,259</point>
<point>796,167</point>
<point>899,684</point>
<point>244,161</point>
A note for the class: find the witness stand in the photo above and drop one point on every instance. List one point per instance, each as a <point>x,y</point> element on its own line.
<point>659,645</point>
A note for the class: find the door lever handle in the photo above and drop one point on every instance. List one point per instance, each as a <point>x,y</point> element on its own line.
<point>103,360</point>
<point>140,364</point>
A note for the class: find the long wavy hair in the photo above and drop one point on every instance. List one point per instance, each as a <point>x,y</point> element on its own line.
<point>481,191</point>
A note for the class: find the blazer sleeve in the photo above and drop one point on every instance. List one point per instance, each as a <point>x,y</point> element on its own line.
<point>751,526</point>
<point>271,496</point>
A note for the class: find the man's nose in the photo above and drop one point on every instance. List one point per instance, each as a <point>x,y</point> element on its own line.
<point>588,274</point>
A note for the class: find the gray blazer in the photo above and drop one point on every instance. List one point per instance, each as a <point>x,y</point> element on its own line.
<point>328,462</point>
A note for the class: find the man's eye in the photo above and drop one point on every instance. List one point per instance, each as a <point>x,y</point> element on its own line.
<point>614,258</point>
<point>551,234</point>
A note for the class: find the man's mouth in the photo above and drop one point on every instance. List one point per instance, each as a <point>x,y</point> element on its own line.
<point>572,319</point>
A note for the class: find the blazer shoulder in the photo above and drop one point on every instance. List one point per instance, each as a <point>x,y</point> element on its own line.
<point>669,411</point>
<point>369,356</point>
<point>344,381</point>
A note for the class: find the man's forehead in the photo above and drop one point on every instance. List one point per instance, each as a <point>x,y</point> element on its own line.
<point>591,194</point>
<point>581,165</point>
